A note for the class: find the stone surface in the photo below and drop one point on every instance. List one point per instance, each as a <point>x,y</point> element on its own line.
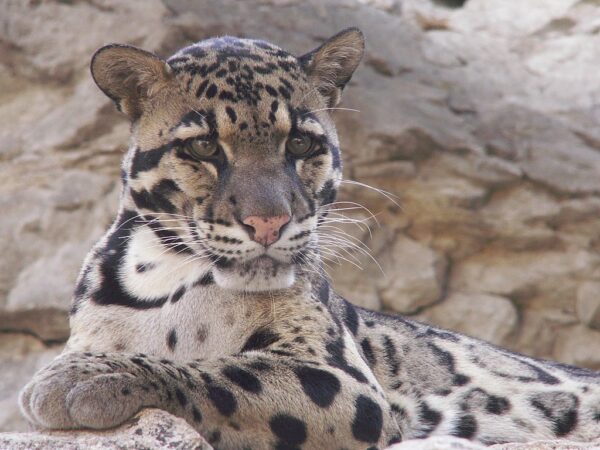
<point>483,316</point>
<point>481,120</point>
<point>150,429</point>
<point>588,304</point>
<point>21,355</point>
<point>416,277</point>
<point>437,443</point>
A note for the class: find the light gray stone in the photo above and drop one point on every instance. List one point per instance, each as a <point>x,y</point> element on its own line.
<point>588,303</point>
<point>579,346</point>
<point>488,317</point>
<point>21,356</point>
<point>418,277</point>
<point>437,443</point>
<point>151,429</point>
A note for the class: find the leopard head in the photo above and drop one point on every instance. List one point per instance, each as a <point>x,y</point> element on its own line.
<point>234,156</point>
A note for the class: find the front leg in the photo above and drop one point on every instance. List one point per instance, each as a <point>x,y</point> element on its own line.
<point>258,399</point>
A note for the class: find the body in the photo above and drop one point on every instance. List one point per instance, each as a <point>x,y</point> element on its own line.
<point>207,297</point>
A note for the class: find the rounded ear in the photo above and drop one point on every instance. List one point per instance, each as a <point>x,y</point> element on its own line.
<point>331,65</point>
<point>128,76</point>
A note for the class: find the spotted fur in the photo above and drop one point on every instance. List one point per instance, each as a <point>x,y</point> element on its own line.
<point>178,307</point>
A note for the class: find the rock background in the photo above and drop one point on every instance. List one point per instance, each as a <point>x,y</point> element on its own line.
<point>483,120</point>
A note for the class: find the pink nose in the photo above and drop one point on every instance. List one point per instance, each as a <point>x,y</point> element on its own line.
<point>266,229</point>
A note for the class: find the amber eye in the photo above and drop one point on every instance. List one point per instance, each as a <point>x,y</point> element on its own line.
<point>201,148</point>
<point>299,144</point>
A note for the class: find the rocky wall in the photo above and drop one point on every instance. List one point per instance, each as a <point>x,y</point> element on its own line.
<point>482,121</point>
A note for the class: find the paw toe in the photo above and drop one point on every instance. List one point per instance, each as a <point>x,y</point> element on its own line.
<point>47,405</point>
<point>104,401</point>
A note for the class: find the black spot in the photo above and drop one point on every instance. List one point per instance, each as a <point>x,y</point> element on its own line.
<point>368,351</point>
<point>290,431</point>
<point>231,113</point>
<point>323,293</point>
<point>430,417</point>
<point>243,379</point>
<point>444,358</point>
<point>227,95</point>
<point>214,437</point>
<point>243,126</point>
<point>284,92</point>
<point>260,339</point>
<point>181,398</point>
<point>201,88</point>
<point>320,386</point>
<point>446,335</point>
<point>147,160</point>
<point>172,339</point>
<point>460,380</point>
<point>144,199</point>
<point>141,268</point>
<point>205,280</point>
<point>327,192</point>
<point>178,294</point>
<point>222,399</point>
<point>466,427</point>
<point>391,355</point>
<point>271,91</point>
<point>395,439</point>
<point>368,420</point>
<point>196,414</point>
<point>337,359</point>
<point>125,391</point>
<point>350,317</point>
<point>260,366</point>
<point>560,408</point>
<point>211,91</point>
<point>497,405</point>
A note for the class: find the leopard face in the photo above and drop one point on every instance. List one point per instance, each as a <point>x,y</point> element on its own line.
<point>234,155</point>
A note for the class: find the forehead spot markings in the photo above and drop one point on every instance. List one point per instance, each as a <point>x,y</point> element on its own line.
<point>211,91</point>
<point>231,113</point>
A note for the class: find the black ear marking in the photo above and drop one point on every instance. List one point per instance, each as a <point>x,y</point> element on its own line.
<point>128,75</point>
<point>331,65</point>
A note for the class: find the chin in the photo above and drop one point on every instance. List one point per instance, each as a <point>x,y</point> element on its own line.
<point>257,275</point>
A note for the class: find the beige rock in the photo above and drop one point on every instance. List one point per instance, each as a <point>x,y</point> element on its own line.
<point>437,443</point>
<point>588,304</point>
<point>579,346</point>
<point>21,356</point>
<point>488,317</point>
<point>418,277</point>
<point>152,428</point>
<point>524,274</point>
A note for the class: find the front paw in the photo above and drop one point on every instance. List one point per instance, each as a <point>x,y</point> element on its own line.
<point>79,391</point>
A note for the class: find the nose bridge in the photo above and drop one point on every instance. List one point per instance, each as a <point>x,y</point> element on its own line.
<point>261,189</point>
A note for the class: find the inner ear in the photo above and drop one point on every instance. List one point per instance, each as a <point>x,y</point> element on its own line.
<point>128,76</point>
<point>331,65</point>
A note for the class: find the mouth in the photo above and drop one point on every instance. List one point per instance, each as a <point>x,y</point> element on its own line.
<point>262,273</point>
